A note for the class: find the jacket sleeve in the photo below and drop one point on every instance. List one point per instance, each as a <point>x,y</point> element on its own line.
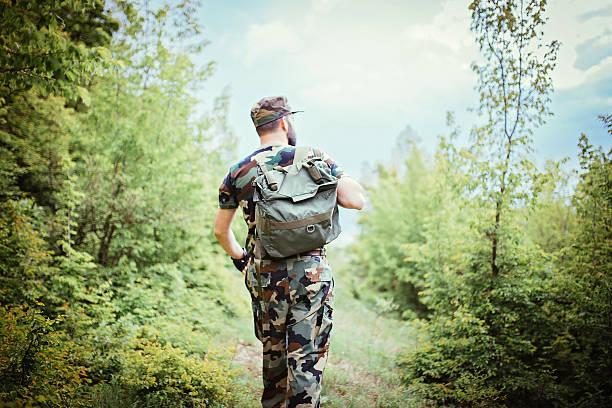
<point>227,195</point>
<point>337,171</point>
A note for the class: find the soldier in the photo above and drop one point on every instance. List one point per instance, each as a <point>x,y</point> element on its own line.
<point>294,318</point>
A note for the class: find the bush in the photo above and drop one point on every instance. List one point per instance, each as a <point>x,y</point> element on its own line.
<point>494,349</point>
<point>538,333</point>
<point>160,375</point>
<point>39,365</point>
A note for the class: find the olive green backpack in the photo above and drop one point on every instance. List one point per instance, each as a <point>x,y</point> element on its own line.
<point>296,207</point>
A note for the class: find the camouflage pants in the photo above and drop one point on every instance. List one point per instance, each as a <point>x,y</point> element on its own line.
<point>294,322</point>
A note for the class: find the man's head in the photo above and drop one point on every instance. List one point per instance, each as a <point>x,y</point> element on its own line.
<point>274,115</point>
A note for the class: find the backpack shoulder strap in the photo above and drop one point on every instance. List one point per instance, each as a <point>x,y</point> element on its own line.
<point>269,179</point>
<point>300,155</point>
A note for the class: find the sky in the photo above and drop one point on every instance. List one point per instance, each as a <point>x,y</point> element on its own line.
<point>364,71</point>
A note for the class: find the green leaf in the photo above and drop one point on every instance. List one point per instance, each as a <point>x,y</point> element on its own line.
<point>52,25</point>
<point>105,53</point>
<point>84,94</point>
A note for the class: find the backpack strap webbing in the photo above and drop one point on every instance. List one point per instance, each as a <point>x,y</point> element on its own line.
<point>301,154</point>
<point>267,226</point>
<point>269,179</point>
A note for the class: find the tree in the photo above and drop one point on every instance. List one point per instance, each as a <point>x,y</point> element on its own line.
<point>54,47</point>
<point>583,293</point>
<point>514,85</point>
<point>109,183</point>
<point>394,220</point>
<point>490,332</point>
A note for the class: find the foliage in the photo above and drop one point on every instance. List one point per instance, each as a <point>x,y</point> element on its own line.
<point>163,375</point>
<point>39,365</point>
<point>23,257</point>
<point>484,334</point>
<point>532,335</point>
<point>108,177</point>
<point>149,179</point>
<point>54,47</point>
<point>583,295</point>
<point>379,251</point>
<point>509,321</point>
<point>552,221</point>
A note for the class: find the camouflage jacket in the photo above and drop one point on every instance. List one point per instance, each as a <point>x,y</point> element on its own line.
<point>237,189</point>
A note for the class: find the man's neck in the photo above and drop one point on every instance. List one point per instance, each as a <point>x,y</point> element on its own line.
<point>279,138</point>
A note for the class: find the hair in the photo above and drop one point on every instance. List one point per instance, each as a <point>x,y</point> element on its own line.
<point>269,127</point>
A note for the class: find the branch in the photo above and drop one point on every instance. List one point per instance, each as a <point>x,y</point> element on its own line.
<point>503,77</point>
<point>17,69</point>
<point>520,89</point>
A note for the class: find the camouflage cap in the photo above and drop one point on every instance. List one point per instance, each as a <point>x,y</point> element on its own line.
<point>269,109</point>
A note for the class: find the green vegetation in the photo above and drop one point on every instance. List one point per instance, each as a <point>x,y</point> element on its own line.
<point>512,279</point>
<point>478,279</point>
<point>111,288</point>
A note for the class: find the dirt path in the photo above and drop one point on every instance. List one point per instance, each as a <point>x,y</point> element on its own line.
<point>249,357</point>
<point>359,372</point>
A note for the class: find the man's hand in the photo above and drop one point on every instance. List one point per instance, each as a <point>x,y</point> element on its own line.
<point>223,232</point>
<point>241,263</point>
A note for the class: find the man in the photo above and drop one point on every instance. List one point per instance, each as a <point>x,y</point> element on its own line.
<point>294,318</point>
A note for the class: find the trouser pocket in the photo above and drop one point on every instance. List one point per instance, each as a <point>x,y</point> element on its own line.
<point>257,319</point>
<point>326,320</point>
<point>256,302</point>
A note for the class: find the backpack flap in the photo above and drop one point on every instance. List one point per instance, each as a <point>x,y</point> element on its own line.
<point>296,186</point>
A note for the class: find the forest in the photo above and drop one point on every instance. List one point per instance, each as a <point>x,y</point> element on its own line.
<point>487,277</point>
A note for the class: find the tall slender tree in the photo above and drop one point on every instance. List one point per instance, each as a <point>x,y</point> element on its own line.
<point>490,334</point>
<point>514,85</point>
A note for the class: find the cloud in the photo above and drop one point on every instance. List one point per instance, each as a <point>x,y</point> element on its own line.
<point>576,60</point>
<point>593,51</point>
<point>364,69</point>
<point>598,13</point>
<point>393,51</point>
<point>342,54</point>
<point>596,90</point>
<point>265,39</point>
<point>449,29</point>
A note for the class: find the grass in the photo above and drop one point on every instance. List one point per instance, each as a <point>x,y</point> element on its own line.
<point>360,371</point>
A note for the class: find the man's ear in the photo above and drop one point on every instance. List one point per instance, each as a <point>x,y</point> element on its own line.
<point>284,124</point>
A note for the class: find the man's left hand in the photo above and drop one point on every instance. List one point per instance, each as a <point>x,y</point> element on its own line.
<point>241,263</point>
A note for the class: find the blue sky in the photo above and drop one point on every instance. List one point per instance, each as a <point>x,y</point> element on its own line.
<point>363,71</point>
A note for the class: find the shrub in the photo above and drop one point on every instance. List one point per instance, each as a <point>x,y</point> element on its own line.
<point>161,375</point>
<point>39,365</point>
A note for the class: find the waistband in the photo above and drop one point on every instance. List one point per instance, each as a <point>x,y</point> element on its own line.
<point>314,252</point>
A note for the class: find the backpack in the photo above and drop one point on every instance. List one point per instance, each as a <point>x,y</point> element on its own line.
<point>296,206</point>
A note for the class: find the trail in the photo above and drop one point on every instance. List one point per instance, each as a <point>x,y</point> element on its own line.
<point>349,379</point>
<point>249,357</point>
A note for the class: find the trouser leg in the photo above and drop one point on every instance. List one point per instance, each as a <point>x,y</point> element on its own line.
<point>274,366</point>
<point>308,346</point>
<point>274,341</point>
